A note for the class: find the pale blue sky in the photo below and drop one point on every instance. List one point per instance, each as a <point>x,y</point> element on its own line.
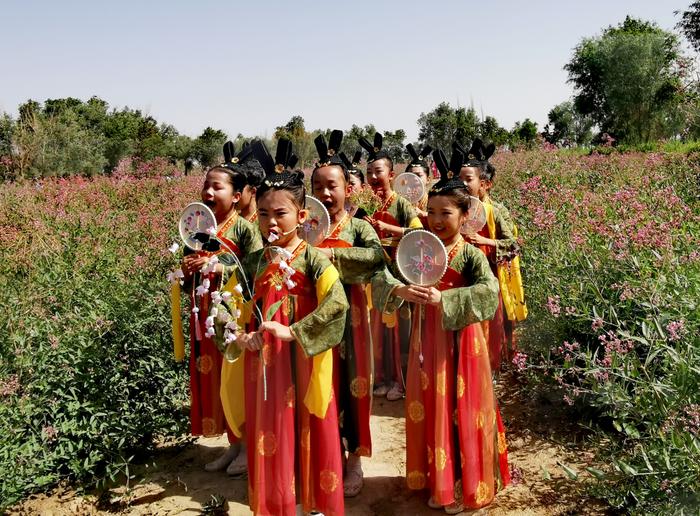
<point>249,66</point>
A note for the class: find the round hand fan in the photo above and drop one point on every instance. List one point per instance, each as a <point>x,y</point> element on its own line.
<point>410,186</point>
<point>196,221</point>
<point>421,258</point>
<point>317,224</point>
<point>476,217</point>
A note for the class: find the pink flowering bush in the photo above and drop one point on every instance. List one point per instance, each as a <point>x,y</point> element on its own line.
<point>612,279</point>
<point>88,382</point>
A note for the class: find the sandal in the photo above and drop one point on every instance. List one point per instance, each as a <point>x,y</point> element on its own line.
<point>395,393</point>
<point>454,508</point>
<point>354,480</point>
<point>239,466</point>
<point>433,504</point>
<point>224,460</point>
<point>380,390</point>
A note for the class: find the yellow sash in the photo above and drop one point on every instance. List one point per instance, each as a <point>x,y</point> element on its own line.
<point>509,277</point>
<point>178,337</point>
<point>319,392</point>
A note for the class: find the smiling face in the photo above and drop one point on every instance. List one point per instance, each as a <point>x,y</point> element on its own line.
<point>471,177</point>
<point>329,187</point>
<point>278,214</point>
<point>218,193</point>
<point>445,217</point>
<point>379,176</point>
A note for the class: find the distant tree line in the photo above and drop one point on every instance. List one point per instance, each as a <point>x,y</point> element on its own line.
<point>632,84</point>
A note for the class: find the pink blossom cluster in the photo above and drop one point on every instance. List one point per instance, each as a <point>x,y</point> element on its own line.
<point>567,349</point>
<point>676,330</point>
<point>614,346</point>
<point>10,386</point>
<point>553,305</point>
<point>520,361</point>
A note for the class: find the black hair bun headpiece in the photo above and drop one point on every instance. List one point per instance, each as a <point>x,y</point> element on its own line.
<point>353,165</point>
<point>449,172</point>
<point>418,159</point>
<point>375,151</point>
<point>328,154</point>
<point>278,171</point>
<point>231,159</point>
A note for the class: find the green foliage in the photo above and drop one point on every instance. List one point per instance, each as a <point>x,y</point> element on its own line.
<point>445,124</point>
<point>628,81</point>
<point>690,24</point>
<point>69,136</point>
<point>567,127</point>
<point>206,148</point>
<point>612,279</point>
<point>524,134</point>
<point>87,379</point>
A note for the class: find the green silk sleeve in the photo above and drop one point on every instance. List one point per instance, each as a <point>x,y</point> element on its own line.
<point>506,242</point>
<point>358,263</point>
<point>383,285</point>
<point>463,306</point>
<point>323,328</point>
<point>405,212</point>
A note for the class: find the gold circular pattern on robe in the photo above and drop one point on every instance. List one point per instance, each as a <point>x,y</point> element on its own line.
<point>329,481</point>
<point>460,386</point>
<point>267,444</point>
<point>440,458</point>
<point>429,450</point>
<point>482,493</point>
<point>441,383</point>
<point>502,446</point>
<point>424,380</point>
<point>267,354</point>
<point>359,387</point>
<point>290,396</point>
<point>293,487</point>
<point>205,364</point>
<point>416,411</point>
<point>477,347</point>
<point>209,427</point>
<point>479,420</point>
<point>416,480</point>
<point>458,491</point>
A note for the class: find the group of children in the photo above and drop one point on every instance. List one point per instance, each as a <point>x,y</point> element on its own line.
<point>311,333</point>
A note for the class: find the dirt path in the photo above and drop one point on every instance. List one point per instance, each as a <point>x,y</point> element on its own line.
<point>179,485</point>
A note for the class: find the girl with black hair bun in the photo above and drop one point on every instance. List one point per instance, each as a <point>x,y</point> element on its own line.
<point>394,218</point>
<point>420,167</point>
<point>451,409</point>
<point>221,191</point>
<point>498,241</point>
<point>254,175</point>
<point>290,413</point>
<point>355,250</point>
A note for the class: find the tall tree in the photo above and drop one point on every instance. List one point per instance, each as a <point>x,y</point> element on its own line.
<point>445,124</point>
<point>567,127</point>
<point>690,24</point>
<point>628,82</point>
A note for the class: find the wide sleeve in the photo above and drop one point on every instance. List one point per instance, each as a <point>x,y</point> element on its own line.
<point>506,242</point>
<point>407,214</point>
<point>248,240</point>
<point>323,328</point>
<point>358,263</point>
<point>478,302</point>
<point>384,283</point>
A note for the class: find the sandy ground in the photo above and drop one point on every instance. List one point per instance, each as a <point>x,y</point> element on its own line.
<point>536,431</point>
